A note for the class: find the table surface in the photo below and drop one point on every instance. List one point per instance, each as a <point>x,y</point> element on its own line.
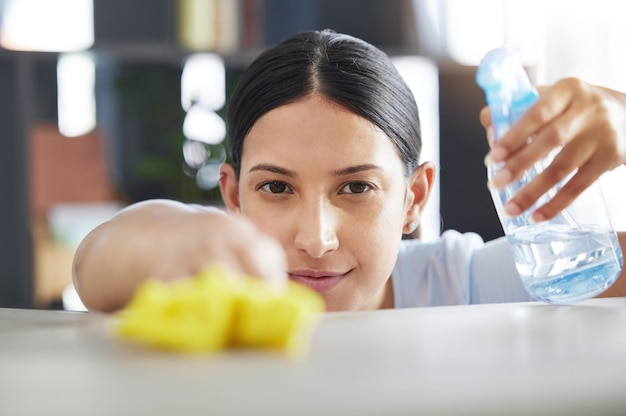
<point>501,359</point>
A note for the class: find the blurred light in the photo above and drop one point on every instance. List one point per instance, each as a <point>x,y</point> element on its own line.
<point>205,25</point>
<point>208,176</point>
<point>195,153</point>
<point>204,125</point>
<point>196,25</point>
<point>203,81</point>
<point>203,92</point>
<point>586,39</point>
<point>474,27</point>
<point>76,75</point>
<point>47,25</point>
<point>71,300</point>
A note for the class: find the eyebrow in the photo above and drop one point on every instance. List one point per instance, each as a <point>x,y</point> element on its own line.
<point>355,169</point>
<point>272,168</point>
<point>289,173</point>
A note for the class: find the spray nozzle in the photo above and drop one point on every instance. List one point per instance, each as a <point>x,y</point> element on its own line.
<point>502,77</point>
<point>507,88</point>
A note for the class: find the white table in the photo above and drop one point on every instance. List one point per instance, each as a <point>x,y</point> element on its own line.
<point>504,359</point>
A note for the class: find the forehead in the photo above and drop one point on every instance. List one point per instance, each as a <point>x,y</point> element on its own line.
<point>318,130</point>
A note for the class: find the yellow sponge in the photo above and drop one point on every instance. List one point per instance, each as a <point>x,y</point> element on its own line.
<point>213,311</point>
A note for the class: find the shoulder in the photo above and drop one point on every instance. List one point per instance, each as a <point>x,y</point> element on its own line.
<point>451,244</point>
<point>457,268</point>
<point>436,272</point>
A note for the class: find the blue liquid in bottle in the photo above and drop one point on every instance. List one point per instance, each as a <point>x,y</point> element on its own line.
<point>563,264</point>
<point>561,260</point>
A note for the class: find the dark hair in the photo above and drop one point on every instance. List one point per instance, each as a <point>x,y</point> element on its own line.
<point>346,70</point>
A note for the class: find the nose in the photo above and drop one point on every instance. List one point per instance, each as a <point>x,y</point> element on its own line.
<point>317,229</point>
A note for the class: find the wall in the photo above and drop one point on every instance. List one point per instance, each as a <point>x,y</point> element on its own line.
<point>15,234</point>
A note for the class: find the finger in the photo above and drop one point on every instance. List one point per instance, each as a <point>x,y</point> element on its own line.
<point>266,260</point>
<point>563,165</point>
<point>547,108</point>
<point>261,255</point>
<point>485,120</point>
<point>571,190</point>
<point>558,133</point>
<point>485,117</point>
<point>523,160</point>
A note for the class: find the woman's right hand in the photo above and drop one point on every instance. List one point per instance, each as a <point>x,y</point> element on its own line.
<point>588,121</point>
<point>167,240</point>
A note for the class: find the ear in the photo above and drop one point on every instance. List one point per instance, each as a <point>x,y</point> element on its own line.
<point>420,187</point>
<point>229,188</point>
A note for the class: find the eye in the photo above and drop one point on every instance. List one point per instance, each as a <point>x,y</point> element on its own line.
<point>275,187</point>
<point>356,188</point>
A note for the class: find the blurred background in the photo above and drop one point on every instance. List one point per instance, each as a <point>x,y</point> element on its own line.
<point>108,102</point>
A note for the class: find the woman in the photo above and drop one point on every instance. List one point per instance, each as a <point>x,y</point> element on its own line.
<point>326,178</point>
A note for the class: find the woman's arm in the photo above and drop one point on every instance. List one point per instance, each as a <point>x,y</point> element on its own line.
<point>167,240</point>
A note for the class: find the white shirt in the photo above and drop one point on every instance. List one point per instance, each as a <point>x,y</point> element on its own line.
<point>455,269</point>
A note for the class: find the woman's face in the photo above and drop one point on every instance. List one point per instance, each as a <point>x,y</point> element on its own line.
<point>330,187</point>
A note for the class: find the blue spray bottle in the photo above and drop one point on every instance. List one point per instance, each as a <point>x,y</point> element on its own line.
<point>574,256</point>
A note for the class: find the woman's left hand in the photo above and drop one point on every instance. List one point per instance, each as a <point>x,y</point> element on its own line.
<point>587,120</point>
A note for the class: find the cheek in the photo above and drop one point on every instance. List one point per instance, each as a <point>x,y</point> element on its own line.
<point>379,239</point>
<point>385,233</point>
<point>374,238</point>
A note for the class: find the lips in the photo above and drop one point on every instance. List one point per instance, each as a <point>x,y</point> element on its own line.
<point>320,281</point>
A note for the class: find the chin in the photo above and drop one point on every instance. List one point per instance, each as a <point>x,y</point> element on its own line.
<point>334,305</point>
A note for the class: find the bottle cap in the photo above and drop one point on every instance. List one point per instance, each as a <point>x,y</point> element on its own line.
<point>507,88</point>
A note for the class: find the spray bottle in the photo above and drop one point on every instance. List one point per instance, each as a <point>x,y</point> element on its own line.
<point>574,256</point>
